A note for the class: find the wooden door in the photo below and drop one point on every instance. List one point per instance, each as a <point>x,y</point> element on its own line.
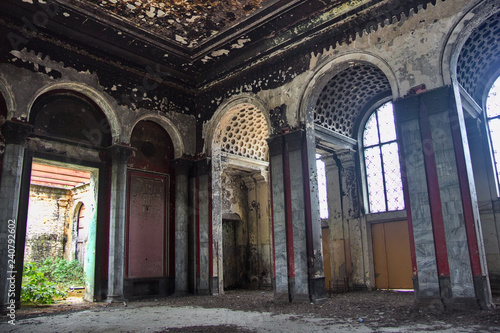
<point>391,254</point>
<point>81,235</point>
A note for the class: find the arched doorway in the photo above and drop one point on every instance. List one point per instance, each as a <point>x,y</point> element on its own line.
<point>241,215</point>
<point>477,72</point>
<point>358,232</point>
<point>149,233</point>
<point>69,139</point>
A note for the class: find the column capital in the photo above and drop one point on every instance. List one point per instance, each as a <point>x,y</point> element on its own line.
<point>203,165</point>
<point>347,157</point>
<point>275,144</point>
<point>329,161</point>
<point>120,153</point>
<point>182,165</point>
<point>15,132</point>
<point>294,139</point>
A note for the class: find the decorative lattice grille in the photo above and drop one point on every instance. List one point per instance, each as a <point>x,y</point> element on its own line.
<point>345,96</point>
<point>481,50</point>
<point>243,132</point>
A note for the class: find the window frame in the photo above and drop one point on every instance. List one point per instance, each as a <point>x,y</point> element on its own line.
<point>362,161</point>
<point>489,143</point>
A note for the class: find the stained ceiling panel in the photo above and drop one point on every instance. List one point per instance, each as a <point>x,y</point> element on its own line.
<point>186,22</point>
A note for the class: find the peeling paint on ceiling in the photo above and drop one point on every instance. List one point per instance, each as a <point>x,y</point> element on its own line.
<point>188,22</point>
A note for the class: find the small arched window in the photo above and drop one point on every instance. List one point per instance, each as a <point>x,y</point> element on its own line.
<point>381,159</point>
<point>493,120</point>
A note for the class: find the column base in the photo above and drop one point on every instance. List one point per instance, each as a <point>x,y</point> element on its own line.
<point>281,298</point>
<point>446,301</point>
<point>214,285</point>
<point>483,291</point>
<point>301,298</point>
<point>317,289</point>
<point>115,299</point>
<point>10,308</point>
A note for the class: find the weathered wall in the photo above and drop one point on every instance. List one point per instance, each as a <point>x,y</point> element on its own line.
<point>49,223</point>
<point>52,221</point>
<point>125,94</point>
<point>245,201</point>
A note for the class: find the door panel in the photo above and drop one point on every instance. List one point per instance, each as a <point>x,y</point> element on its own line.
<point>147,225</point>
<point>391,254</point>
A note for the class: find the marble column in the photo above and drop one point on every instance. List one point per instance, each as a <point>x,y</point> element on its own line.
<point>203,220</point>
<point>316,274</point>
<point>437,175</point>
<point>354,227</point>
<point>117,221</point>
<point>15,134</point>
<point>339,234</point>
<point>298,261</point>
<point>280,275</point>
<point>182,167</point>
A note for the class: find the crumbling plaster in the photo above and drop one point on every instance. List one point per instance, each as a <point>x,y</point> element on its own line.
<point>188,22</point>
<point>24,87</point>
<point>404,51</point>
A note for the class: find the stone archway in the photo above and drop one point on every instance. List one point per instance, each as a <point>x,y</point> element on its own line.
<point>69,135</point>
<point>240,188</point>
<point>337,110</point>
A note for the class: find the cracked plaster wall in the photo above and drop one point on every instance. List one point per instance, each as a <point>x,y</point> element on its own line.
<point>26,85</point>
<point>406,48</point>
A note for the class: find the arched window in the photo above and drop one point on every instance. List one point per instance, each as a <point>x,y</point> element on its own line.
<point>381,159</point>
<point>493,120</point>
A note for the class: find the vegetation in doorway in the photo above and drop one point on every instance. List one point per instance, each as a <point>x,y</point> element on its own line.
<point>36,288</point>
<point>44,283</point>
<point>63,273</point>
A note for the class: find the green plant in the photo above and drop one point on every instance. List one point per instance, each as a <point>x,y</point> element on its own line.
<point>36,288</point>
<point>63,272</point>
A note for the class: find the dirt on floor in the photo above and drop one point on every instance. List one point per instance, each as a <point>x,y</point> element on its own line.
<point>376,309</point>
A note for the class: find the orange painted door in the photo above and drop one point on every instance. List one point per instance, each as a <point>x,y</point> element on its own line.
<point>391,255</point>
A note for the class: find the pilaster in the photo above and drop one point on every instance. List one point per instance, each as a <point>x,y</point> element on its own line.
<point>354,228</point>
<point>203,225</point>
<point>15,134</point>
<point>443,217</point>
<point>117,221</point>
<point>182,167</point>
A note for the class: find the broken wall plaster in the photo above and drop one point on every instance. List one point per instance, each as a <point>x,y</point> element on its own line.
<point>424,68</point>
<point>69,76</point>
<point>409,39</point>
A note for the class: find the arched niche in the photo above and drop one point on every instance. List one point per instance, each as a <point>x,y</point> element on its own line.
<point>150,224</point>
<point>154,147</point>
<point>240,188</point>
<point>72,117</point>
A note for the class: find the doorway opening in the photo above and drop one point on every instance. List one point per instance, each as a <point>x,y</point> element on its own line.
<point>62,217</point>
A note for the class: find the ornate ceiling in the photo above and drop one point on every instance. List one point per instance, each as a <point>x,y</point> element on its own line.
<point>194,43</point>
<point>186,22</point>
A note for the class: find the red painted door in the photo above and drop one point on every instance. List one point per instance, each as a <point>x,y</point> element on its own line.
<point>147,219</point>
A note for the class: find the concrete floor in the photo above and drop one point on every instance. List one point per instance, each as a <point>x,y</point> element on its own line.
<point>161,318</point>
